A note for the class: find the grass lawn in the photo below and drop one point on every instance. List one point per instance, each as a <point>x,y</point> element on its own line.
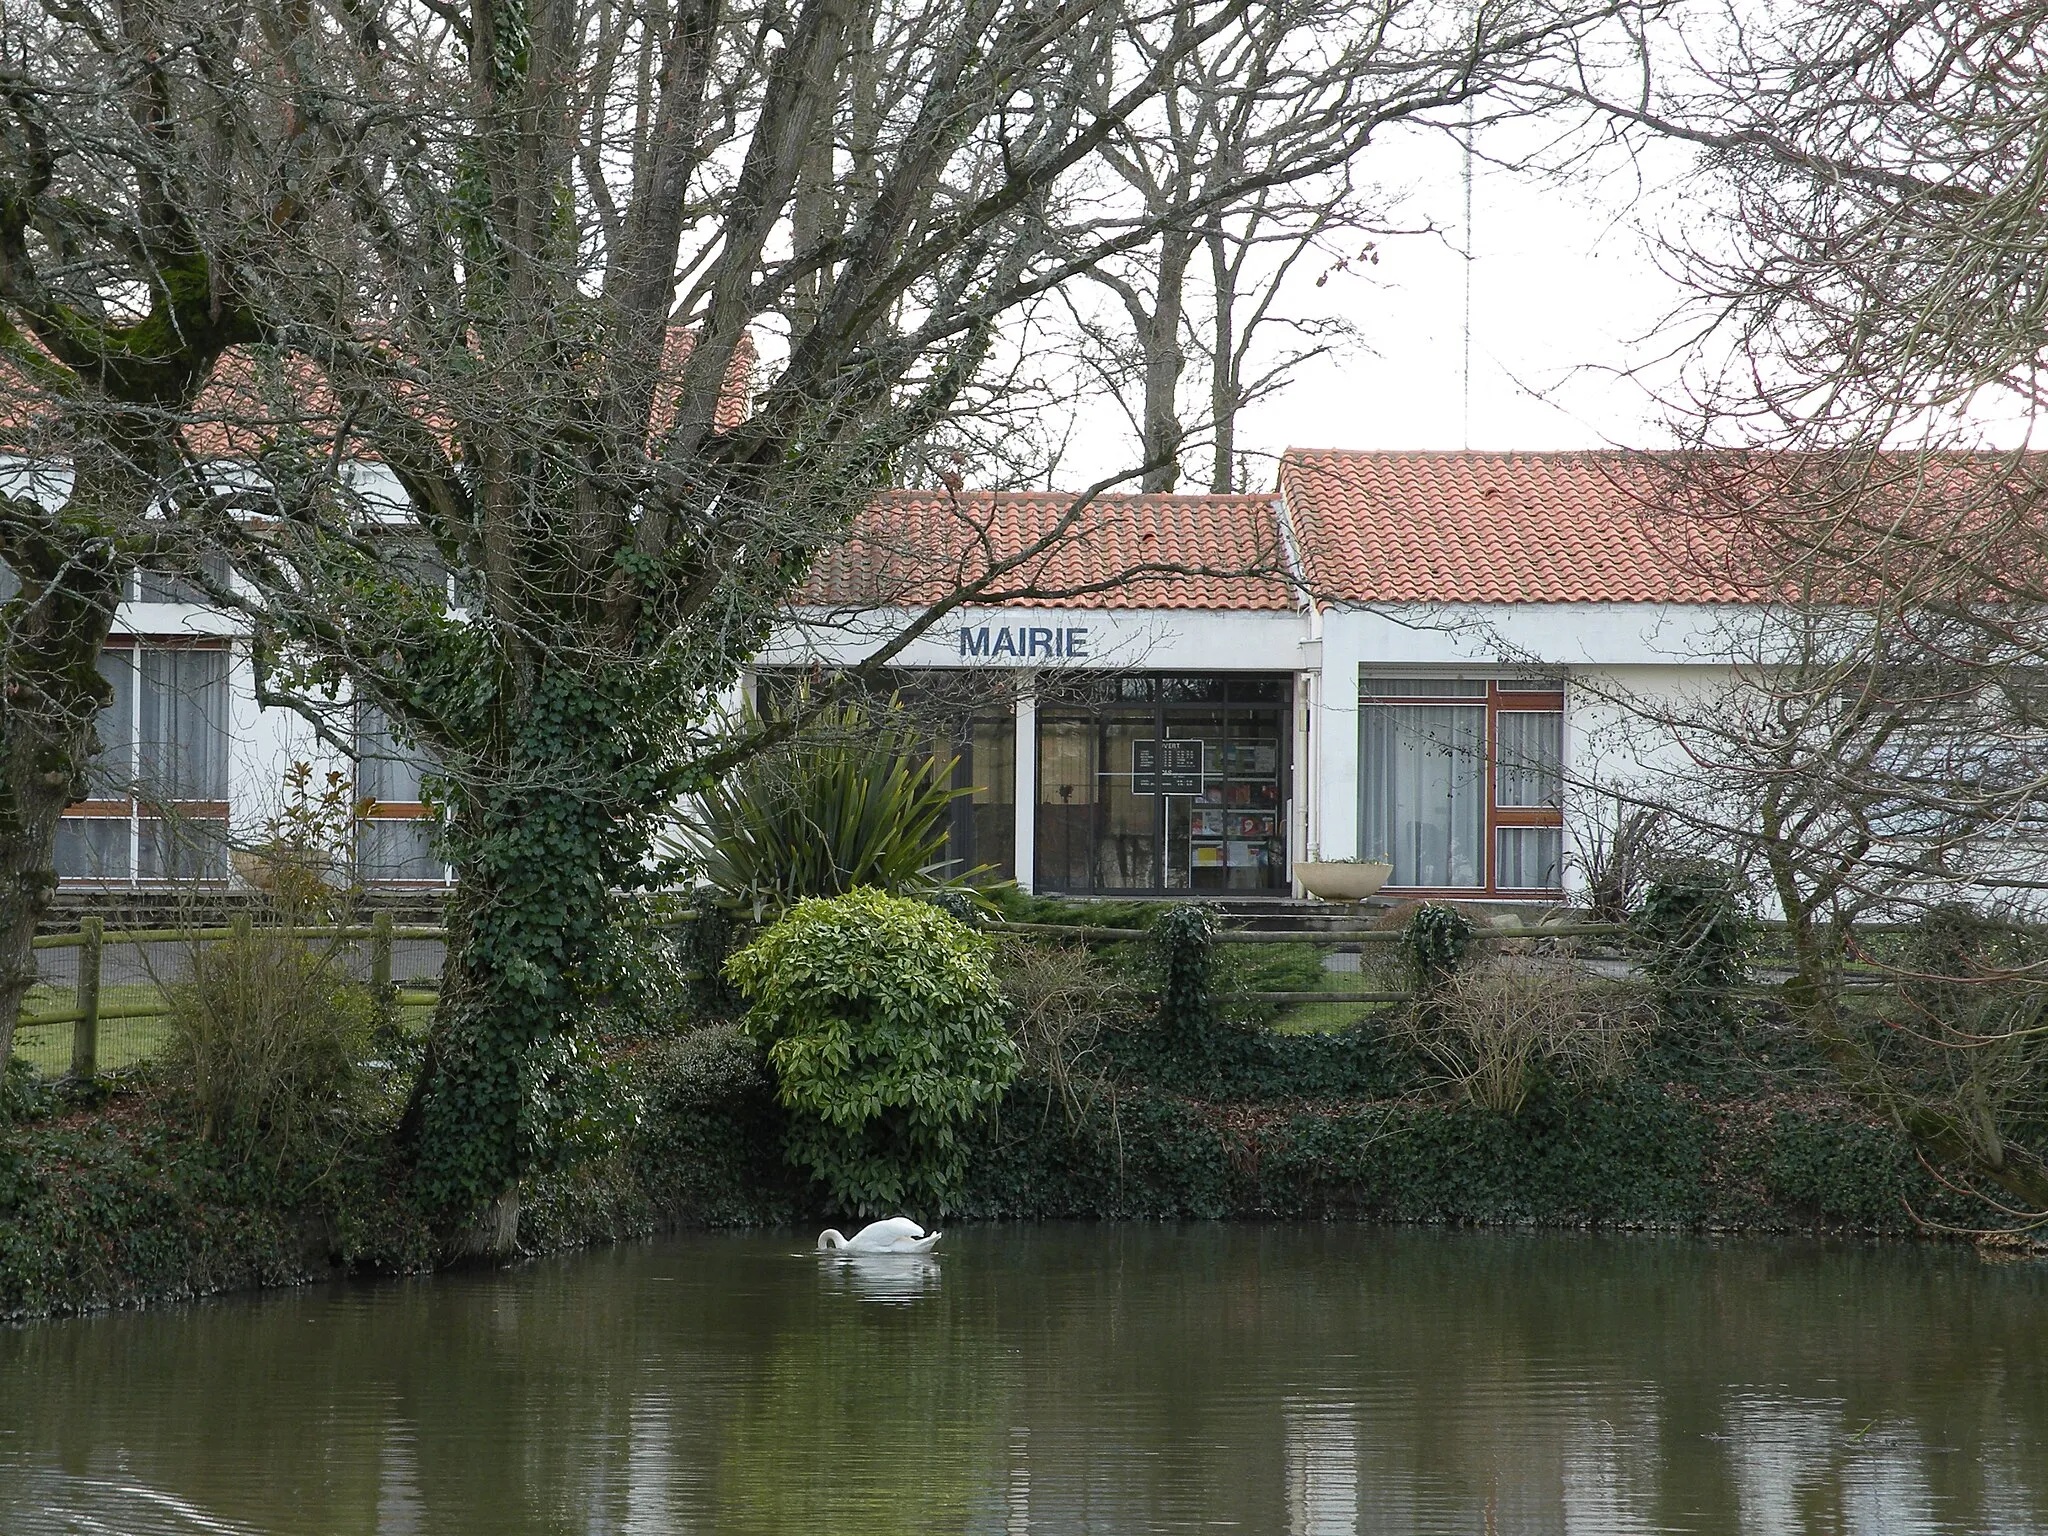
<point>122,1042</point>
<point>1380,970</point>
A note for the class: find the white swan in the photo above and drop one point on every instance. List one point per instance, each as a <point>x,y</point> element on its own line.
<point>897,1234</point>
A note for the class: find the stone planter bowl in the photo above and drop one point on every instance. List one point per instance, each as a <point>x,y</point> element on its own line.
<point>1342,882</point>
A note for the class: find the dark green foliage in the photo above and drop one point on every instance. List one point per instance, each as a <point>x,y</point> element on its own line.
<point>884,1025</point>
<point>1434,943</point>
<point>20,1094</point>
<point>710,1145</point>
<point>1184,942</point>
<point>1630,1155</point>
<point>1695,939</point>
<point>852,802</point>
<point>1019,906</point>
<point>1824,1169</point>
<point>703,945</point>
<point>545,849</point>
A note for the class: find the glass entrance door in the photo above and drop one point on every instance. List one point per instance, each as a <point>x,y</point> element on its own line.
<point>1164,785</point>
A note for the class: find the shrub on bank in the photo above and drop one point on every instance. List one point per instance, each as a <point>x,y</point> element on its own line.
<point>268,1038</point>
<point>883,1023</point>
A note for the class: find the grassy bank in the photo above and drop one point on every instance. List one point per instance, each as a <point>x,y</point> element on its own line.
<point>115,1198</point>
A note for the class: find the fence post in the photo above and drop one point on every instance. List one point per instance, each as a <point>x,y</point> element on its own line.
<point>380,956</point>
<point>85,1030</point>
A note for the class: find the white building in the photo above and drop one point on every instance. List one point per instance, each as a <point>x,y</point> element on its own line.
<point>1192,730</point>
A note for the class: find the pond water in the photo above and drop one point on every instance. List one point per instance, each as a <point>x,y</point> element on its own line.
<point>1296,1379</point>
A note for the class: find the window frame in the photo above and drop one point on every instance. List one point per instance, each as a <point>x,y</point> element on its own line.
<point>136,809</point>
<point>1502,696</point>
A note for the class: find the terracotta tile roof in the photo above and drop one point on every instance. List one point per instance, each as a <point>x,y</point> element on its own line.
<point>1498,528</point>
<point>239,408</point>
<point>1124,551</point>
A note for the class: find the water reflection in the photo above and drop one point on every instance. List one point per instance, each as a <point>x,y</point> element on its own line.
<point>1322,1381</point>
<point>886,1277</point>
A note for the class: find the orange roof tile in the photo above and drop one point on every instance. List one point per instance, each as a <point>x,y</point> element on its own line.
<point>1498,528</point>
<point>238,410</point>
<point>1123,551</point>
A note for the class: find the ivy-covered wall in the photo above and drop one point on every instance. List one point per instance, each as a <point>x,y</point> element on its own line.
<point>121,1204</point>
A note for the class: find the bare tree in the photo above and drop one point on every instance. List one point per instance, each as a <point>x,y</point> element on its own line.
<point>112,315</point>
<point>1870,297</point>
<point>507,332</point>
<point>1849,766</point>
<point>1201,301</point>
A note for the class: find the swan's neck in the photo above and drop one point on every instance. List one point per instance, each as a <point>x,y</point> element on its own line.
<point>829,1238</point>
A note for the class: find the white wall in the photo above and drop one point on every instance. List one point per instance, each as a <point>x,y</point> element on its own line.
<point>1119,639</point>
<point>1608,653</point>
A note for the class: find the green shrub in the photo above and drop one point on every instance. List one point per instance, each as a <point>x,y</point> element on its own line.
<point>853,801</point>
<point>267,1041</point>
<point>1434,943</point>
<point>884,1026</point>
<point>704,944</point>
<point>1184,938</point>
<point>1696,938</point>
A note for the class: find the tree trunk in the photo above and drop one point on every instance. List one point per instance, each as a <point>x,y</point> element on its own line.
<point>1223,401</point>
<point>540,838</point>
<point>1165,361</point>
<point>70,586</point>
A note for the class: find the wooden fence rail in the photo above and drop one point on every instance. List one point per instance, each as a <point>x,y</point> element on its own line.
<point>87,1013</point>
<point>1329,936</point>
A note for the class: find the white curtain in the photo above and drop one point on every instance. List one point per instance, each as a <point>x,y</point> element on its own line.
<point>1422,782</point>
<point>1530,755</point>
<point>185,724</point>
<point>1531,859</point>
<point>385,771</point>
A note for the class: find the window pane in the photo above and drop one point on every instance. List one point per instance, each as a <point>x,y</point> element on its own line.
<point>184,753</point>
<point>1529,758</point>
<point>9,582</point>
<point>180,848</point>
<point>386,771</point>
<point>1066,801</point>
<point>990,766</point>
<point>111,774</point>
<point>169,587</point>
<point>92,848</point>
<point>1420,688</point>
<point>398,850</point>
<point>1126,845</point>
<point>1421,783</point>
<point>1531,858</point>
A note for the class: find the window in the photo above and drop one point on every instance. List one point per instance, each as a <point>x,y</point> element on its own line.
<point>156,804</point>
<point>394,829</point>
<point>1461,782</point>
<point>1163,783</point>
<point>162,586</point>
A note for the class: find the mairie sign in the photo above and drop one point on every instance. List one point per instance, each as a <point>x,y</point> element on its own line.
<point>1024,642</point>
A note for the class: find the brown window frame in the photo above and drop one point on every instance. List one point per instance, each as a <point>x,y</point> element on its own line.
<point>1498,700</point>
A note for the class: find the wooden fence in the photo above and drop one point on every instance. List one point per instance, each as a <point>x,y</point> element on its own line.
<point>87,1013</point>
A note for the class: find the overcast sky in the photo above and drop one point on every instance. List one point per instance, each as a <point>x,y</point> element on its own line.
<point>1564,291</point>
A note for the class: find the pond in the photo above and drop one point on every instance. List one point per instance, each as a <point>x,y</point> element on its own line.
<point>1287,1378</point>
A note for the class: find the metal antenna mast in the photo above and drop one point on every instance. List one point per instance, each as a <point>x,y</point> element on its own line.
<point>1466,379</point>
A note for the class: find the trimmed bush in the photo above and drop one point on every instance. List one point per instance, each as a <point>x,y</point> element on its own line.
<point>1434,943</point>
<point>268,1040</point>
<point>884,1025</point>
